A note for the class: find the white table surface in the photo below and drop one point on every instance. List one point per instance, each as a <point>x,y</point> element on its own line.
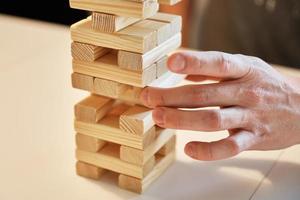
<point>37,137</point>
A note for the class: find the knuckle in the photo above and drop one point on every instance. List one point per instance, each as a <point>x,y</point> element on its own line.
<point>233,147</point>
<point>172,120</point>
<point>252,97</point>
<point>157,98</point>
<point>198,94</point>
<point>213,119</point>
<point>224,63</point>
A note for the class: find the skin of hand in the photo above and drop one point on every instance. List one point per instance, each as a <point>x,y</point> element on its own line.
<point>257,105</point>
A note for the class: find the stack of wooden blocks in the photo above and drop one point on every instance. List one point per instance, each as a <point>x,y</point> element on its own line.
<point>116,52</point>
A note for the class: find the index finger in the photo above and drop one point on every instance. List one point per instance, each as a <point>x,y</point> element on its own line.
<point>210,63</point>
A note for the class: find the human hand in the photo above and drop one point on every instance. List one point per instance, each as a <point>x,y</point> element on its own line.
<point>258,106</point>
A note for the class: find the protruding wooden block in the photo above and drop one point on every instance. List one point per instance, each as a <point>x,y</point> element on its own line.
<point>109,88</point>
<point>111,23</point>
<point>88,143</point>
<point>88,170</point>
<point>106,68</point>
<point>87,52</point>
<point>162,66</point>
<point>141,9</point>
<point>139,185</point>
<point>174,20</point>
<point>168,147</point>
<point>93,108</point>
<point>139,157</point>
<point>132,38</point>
<point>169,2</point>
<point>136,61</point>
<point>137,120</point>
<point>83,82</point>
<point>108,158</point>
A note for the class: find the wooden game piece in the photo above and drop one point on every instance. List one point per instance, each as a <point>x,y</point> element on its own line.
<point>140,185</point>
<point>109,88</point>
<point>136,120</point>
<point>132,38</point>
<point>107,129</point>
<point>137,61</point>
<point>174,20</point>
<point>108,158</point>
<point>88,143</point>
<point>89,171</point>
<point>142,9</point>
<point>139,157</point>
<point>83,82</point>
<point>109,23</point>
<point>162,29</point>
<point>93,108</point>
<point>106,68</point>
<point>161,66</point>
<point>87,52</point>
<point>168,147</point>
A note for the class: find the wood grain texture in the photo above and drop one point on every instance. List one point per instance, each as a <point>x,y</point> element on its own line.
<point>168,147</point>
<point>140,185</point>
<point>89,171</point>
<point>93,108</point>
<point>87,52</point>
<point>108,158</point>
<point>106,68</point>
<point>137,61</point>
<point>111,23</point>
<point>83,82</point>
<point>174,20</point>
<point>139,157</point>
<point>143,9</point>
<point>88,143</point>
<point>136,120</point>
<point>133,38</point>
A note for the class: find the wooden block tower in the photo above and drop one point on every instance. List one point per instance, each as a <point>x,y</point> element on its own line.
<point>117,51</point>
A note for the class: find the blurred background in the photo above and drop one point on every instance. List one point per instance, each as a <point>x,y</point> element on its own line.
<point>269,29</point>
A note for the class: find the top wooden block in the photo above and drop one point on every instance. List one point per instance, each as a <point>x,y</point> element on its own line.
<point>138,9</point>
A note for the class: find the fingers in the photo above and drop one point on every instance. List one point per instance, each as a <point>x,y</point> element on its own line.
<point>192,96</point>
<point>213,64</point>
<point>201,120</point>
<point>226,148</point>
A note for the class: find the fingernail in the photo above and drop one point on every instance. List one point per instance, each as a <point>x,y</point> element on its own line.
<point>145,96</point>
<point>190,150</point>
<point>158,116</point>
<point>177,63</point>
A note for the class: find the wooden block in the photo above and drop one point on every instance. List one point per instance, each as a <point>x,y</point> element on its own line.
<point>174,20</point>
<point>162,66</point>
<point>168,147</point>
<point>143,9</point>
<point>169,2</point>
<point>139,157</point>
<point>163,30</point>
<point>88,171</point>
<point>111,23</point>
<point>109,88</point>
<point>108,129</point>
<point>82,82</point>
<point>88,143</point>
<point>106,68</point>
<point>140,185</point>
<point>136,120</point>
<point>136,61</point>
<point>108,158</point>
<point>93,108</point>
<point>132,38</point>
<point>87,52</point>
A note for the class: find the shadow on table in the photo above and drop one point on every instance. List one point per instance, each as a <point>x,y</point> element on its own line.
<point>204,180</point>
